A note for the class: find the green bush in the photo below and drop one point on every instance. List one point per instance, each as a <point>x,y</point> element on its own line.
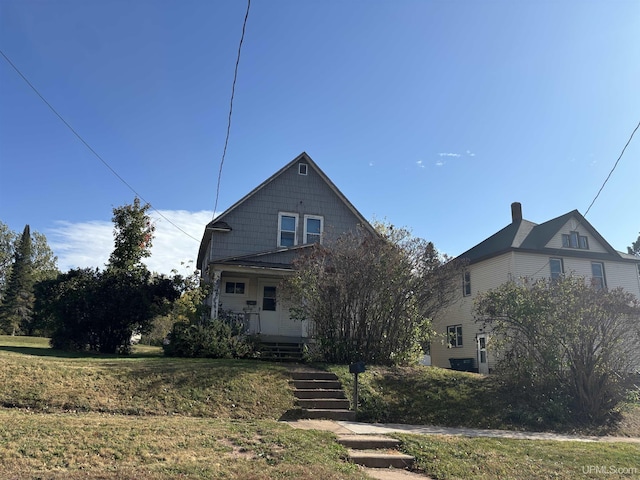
<point>214,339</point>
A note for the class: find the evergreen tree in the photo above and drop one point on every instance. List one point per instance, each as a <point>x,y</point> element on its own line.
<point>17,306</point>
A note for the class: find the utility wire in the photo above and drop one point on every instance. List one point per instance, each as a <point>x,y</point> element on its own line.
<point>614,167</point>
<point>233,90</point>
<point>603,184</point>
<point>89,146</point>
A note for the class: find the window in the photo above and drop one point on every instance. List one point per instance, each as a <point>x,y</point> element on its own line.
<point>269,299</point>
<point>302,169</point>
<point>466,284</point>
<point>236,288</point>
<point>557,268</point>
<point>575,240</point>
<point>454,334</point>
<point>597,271</point>
<point>313,226</point>
<point>287,229</point>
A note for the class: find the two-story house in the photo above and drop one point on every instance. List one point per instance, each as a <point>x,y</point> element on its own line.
<point>248,249</point>
<point>567,244</point>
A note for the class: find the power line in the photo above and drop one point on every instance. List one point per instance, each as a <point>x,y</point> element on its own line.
<point>79,137</point>
<point>603,184</point>
<point>233,90</point>
<point>614,167</point>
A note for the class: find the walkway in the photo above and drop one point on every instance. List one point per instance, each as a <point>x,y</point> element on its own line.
<point>342,427</point>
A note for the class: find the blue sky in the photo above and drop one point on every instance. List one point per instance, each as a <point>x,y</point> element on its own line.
<point>433,115</point>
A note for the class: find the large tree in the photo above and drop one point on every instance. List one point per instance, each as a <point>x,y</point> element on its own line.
<point>101,310</point>
<point>564,342</point>
<point>17,305</point>
<point>43,261</point>
<point>370,296</point>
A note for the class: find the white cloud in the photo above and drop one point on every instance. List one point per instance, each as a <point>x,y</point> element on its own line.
<point>449,154</point>
<point>439,163</point>
<point>89,244</point>
<point>371,164</point>
<point>420,164</point>
<point>470,153</point>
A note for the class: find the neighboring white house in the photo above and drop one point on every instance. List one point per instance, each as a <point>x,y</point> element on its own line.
<point>248,249</point>
<point>567,244</point>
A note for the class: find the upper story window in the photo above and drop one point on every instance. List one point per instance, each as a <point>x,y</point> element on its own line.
<point>302,168</point>
<point>287,229</point>
<point>313,227</point>
<point>454,334</point>
<point>557,268</point>
<point>597,275</point>
<point>466,284</point>
<point>575,240</point>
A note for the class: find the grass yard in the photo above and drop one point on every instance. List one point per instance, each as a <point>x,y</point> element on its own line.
<point>436,396</point>
<point>461,458</point>
<point>39,379</point>
<point>143,417</point>
<point>115,447</point>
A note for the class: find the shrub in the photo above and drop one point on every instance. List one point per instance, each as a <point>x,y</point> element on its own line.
<point>214,339</point>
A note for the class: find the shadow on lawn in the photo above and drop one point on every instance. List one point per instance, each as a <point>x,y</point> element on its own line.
<point>51,352</point>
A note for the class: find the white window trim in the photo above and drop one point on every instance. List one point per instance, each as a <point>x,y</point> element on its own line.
<point>561,266</point>
<point>453,329</point>
<point>466,283</point>
<point>223,286</point>
<point>602,270</point>
<point>315,217</point>
<point>295,236</point>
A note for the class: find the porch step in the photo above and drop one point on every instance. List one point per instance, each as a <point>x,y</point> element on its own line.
<point>329,414</point>
<point>324,403</point>
<point>281,351</point>
<point>377,459</point>
<point>375,451</point>
<point>319,394</point>
<point>317,384</point>
<point>313,375</point>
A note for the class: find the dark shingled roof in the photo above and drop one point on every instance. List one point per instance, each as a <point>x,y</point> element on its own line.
<point>536,239</point>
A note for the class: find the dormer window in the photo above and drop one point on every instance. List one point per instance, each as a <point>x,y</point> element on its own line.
<point>575,240</point>
<point>302,169</point>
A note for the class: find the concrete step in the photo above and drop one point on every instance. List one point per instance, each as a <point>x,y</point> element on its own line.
<point>368,442</point>
<point>319,393</point>
<point>313,375</point>
<point>316,384</point>
<point>380,459</point>
<point>325,403</point>
<point>328,414</point>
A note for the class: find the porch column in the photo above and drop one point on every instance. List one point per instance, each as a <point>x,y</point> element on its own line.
<point>215,293</point>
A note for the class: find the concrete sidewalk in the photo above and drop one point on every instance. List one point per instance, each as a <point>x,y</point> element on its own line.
<point>342,427</point>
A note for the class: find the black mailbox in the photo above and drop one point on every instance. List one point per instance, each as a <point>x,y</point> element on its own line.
<point>357,367</point>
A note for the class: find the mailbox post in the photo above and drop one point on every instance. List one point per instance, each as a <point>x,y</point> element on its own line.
<point>356,368</point>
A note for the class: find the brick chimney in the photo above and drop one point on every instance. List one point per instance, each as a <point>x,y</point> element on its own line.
<point>516,212</point>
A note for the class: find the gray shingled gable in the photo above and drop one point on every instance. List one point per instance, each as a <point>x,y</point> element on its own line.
<point>230,215</point>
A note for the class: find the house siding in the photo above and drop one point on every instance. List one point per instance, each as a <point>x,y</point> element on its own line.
<point>255,224</point>
<point>573,226</point>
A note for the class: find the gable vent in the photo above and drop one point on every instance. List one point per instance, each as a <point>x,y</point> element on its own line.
<point>302,168</point>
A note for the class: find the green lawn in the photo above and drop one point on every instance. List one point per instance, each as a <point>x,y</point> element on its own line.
<point>435,396</point>
<point>83,416</point>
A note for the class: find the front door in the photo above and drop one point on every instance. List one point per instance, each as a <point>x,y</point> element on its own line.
<point>483,363</point>
<point>274,317</point>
